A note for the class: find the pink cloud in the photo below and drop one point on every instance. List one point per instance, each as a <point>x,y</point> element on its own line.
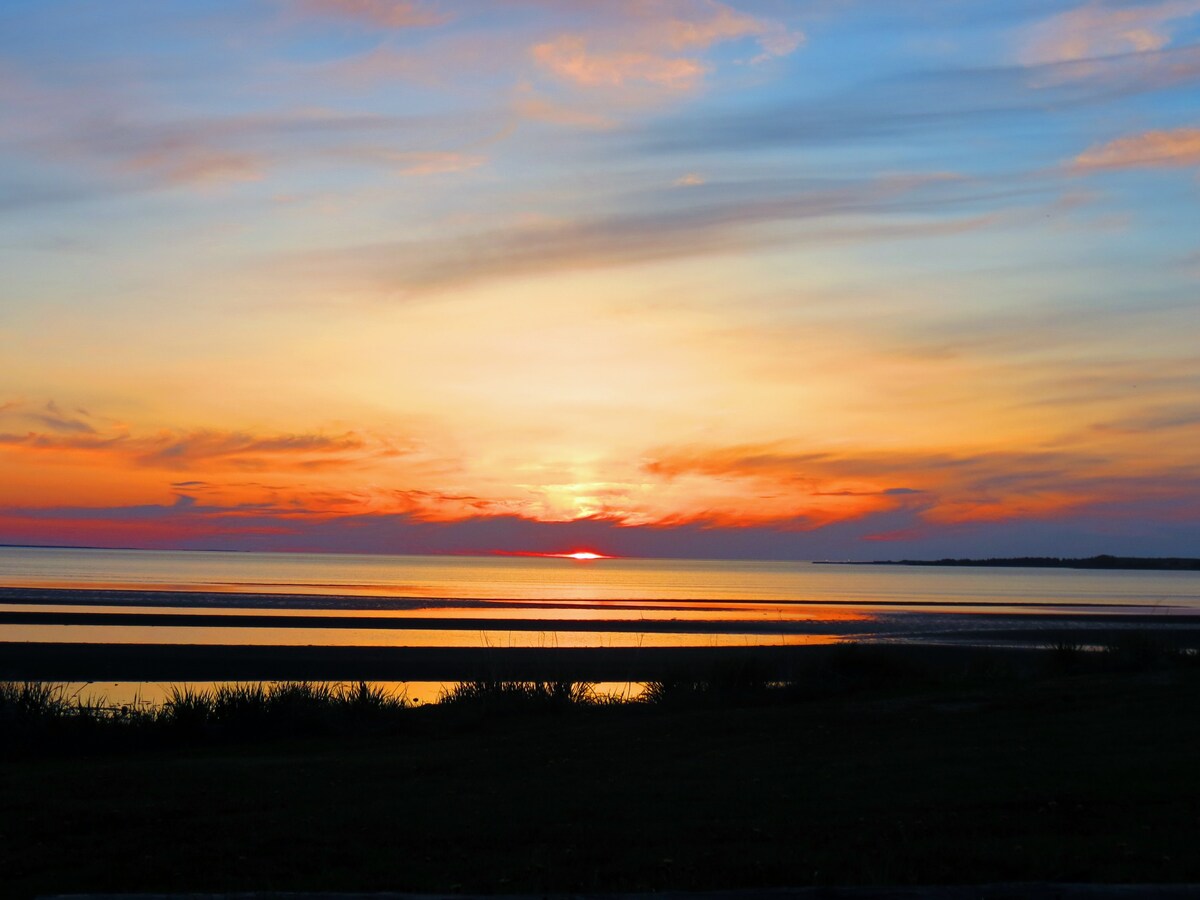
<point>571,58</point>
<point>1096,29</point>
<point>383,13</point>
<point>530,106</point>
<point>1157,149</point>
<point>657,44</point>
<point>177,163</point>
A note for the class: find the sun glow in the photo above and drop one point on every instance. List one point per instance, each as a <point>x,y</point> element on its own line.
<point>582,555</point>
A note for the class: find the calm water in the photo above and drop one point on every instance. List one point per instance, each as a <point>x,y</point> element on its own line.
<point>536,602</point>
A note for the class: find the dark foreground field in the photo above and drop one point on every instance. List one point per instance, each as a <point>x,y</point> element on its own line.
<point>874,773</point>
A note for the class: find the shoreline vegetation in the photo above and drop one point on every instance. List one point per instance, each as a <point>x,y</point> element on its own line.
<point>31,710</point>
<point>1103,561</point>
<point>874,765</point>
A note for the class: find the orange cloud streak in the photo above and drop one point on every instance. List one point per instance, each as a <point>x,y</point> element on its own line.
<point>1156,149</point>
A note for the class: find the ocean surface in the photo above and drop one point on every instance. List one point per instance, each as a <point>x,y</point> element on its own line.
<point>134,596</point>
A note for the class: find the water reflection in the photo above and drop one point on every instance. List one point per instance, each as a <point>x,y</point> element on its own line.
<point>506,578</point>
<point>151,694</point>
<point>481,602</point>
<point>366,637</point>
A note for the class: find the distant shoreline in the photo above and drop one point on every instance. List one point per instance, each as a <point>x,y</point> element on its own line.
<point>1104,561</point>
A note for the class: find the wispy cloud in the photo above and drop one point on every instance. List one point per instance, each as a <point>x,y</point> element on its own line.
<point>571,57</point>
<point>938,104</point>
<point>138,150</point>
<point>1097,29</point>
<point>53,417</point>
<point>49,415</point>
<point>418,162</point>
<point>721,218</point>
<point>246,450</point>
<point>380,13</point>
<point>657,44</point>
<point>1157,419</point>
<point>944,487</point>
<point>198,449</point>
<point>180,163</point>
<point>530,105</point>
<point>1150,149</point>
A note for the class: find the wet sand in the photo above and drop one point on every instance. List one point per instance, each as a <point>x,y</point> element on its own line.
<point>933,636</point>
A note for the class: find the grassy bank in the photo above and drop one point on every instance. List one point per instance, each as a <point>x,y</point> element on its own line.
<point>45,717</point>
<point>875,770</point>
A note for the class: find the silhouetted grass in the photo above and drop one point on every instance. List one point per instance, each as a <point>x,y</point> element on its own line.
<point>39,716</point>
<point>32,701</point>
<point>509,696</point>
<point>283,708</point>
<point>1127,652</point>
<point>1140,652</point>
<point>872,765</point>
<point>743,682</point>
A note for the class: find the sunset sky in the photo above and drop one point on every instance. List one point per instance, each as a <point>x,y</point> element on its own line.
<point>776,279</point>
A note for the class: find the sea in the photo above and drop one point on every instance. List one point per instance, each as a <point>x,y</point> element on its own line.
<point>199,597</point>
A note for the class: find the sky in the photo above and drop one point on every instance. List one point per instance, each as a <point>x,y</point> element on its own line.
<point>780,279</point>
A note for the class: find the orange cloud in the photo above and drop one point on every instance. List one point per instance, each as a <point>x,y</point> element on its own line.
<point>944,489</point>
<point>571,58</point>
<point>650,47</point>
<point>1096,29</point>
<point>1158,149</point>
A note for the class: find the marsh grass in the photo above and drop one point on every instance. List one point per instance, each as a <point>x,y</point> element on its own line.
<point>1046,779</point>
<point>1130,653</point>
<point>746,681</point>
<point>854,765</point>
<point>1139,652</point>
<point>303,707</point>
<point>508,696</point>
<point>37,716</point>
<point>32,701</point>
